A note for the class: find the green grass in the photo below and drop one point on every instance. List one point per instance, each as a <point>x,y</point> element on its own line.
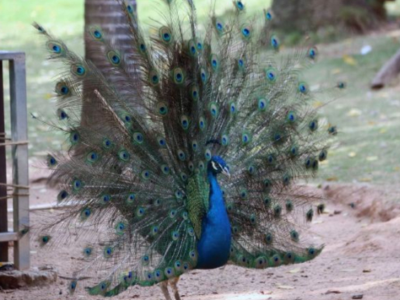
<point>365,149</point>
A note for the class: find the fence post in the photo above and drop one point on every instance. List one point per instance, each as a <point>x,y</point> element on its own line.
<point>19,138</point>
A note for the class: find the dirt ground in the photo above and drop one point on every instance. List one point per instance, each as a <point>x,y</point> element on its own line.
<point>361,231</point>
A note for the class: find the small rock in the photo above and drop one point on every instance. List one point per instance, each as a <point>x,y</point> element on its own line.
<point>360,296</point>
<point>337,212</point>
<point>367,271</point>
<point>332,292</point>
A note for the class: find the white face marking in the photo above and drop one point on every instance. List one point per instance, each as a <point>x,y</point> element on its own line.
<point>214,165</point>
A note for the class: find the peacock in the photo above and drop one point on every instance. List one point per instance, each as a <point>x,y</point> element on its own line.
<point>194,157</point>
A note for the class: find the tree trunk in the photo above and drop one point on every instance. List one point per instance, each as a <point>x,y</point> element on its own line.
<point>388,72</point>
<point>109,16</point>
<point>309,15</point>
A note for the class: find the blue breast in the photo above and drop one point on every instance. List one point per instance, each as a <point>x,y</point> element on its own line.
<point>215,242</point>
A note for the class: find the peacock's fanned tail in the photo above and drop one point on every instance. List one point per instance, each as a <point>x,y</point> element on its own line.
<point>133,187</point>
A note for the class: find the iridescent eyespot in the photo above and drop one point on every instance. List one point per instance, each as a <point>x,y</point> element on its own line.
<point>62,115</point>
<point>232,108</point>
<point>175,235</point>
<point>62,195</point>
<point>262,104</point>
<point>140,212</point>
<point>106,198</point>
<point>275,42</point>
<point>194,93</point>
<point>51,161</point>
<point>219,26</point>
<point>313,125</point>
<point>142,47</point>
<point>224,140</point>
<point>161,142</point>
<point>108,251</point>
<point>114,58</point>
<point>208,155</point>
<point>178,76</point>
<point>185,122</point>
<point>303,88</point>
<point>92,157</point>
<point>202,123</point>
<point>239,5</point>
<point>294,235</point>
<point>62,89</point>
<point>74,137</point>
<point>291,117</point>
<point>130,199</point>
<point>154,78</point>
<point>146,174</point>
<point>323,155</point>
<point>246,138</point>
<point>124,155</point>
<point>162,108</point>
<point>341,85</point>
<point>77,185</point>
<point>271,75</point>
<point>203,75</point>
<point>195,146</point>
<point>241,64</point>
<point>246,32</point>
<point>332,130</point>
<point>214,62</point>
<point>251,169</point>
<point>107,143</point>
<point>138,137</point>
<point>165,35</point>
<point>165,169</point>
<point>312,53</point>
<point>214,109</point>
<point>268,239</point>
<point>199,46</point>
<point>78,70</point>
<point>181,155</point>
<point>268,15</point>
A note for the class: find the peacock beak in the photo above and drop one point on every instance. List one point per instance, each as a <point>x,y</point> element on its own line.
<point>225,171</point>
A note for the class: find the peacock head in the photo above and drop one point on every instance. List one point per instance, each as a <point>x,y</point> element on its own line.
<point>217,165</point>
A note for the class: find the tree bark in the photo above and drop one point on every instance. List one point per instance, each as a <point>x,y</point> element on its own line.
<point>109,16</point>
<point>388,72</point>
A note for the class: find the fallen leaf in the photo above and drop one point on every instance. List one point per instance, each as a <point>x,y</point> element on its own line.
<point>349,270</point>
<point>354,112</point>
<point>336,71</point>
<point>294,271</point>
<point>349,60</point>
<point>383,130</point>
<point>332,179</point>
<point>284,287</point>
<point>397,168</point>
<point>365,179</point>
<point>372,158</point>
<point>371,123</point>
<point>352,154</point>
<point>317,104</point>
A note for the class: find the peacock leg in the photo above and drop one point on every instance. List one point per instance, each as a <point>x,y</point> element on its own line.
<point>173,282</point>
<point>164,288</point>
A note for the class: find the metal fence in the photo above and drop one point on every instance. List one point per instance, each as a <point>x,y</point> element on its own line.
<point>18,190</point>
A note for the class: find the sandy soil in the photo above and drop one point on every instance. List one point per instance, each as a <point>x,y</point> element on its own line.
<point>361,257</point>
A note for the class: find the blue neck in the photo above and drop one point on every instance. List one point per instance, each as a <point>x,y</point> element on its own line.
<point>215,242</point>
